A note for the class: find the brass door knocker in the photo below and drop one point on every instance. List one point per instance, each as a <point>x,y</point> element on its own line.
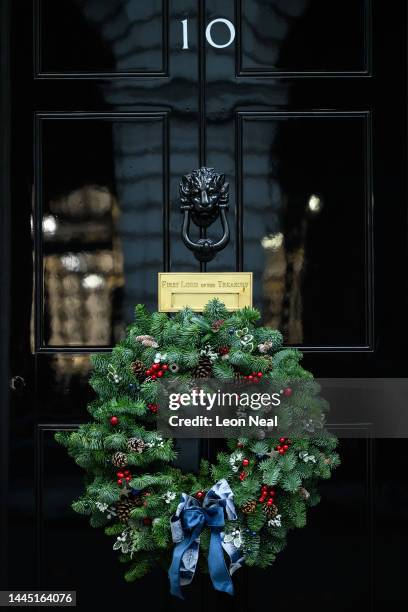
<point>204,197</point>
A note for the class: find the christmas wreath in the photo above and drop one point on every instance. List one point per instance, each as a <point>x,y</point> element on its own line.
<point>239,508</point>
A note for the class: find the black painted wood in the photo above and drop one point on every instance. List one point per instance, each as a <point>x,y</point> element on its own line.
<point>5,181</point>
<point>309,99</point>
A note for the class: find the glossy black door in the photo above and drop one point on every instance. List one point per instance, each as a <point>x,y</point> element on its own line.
<point>302,104</point>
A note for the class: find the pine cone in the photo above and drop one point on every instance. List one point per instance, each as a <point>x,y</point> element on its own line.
<point>124,508</point>
<point>138,369</point>
<point>269,358</point>
<point>135,445</point>
<point>119,459</point>
<point>204,368</point>
<point>304,493</point>
<point>249,506</point>
<point>270,511</point>
<point>239,379</point>
<point>264,347</point>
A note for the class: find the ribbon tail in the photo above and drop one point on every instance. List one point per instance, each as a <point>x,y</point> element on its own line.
<point>178,572</point>
<point>219,573</point>
<point>236,558</point>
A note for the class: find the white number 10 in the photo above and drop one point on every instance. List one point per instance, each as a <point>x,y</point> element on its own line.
<point>208,34</point>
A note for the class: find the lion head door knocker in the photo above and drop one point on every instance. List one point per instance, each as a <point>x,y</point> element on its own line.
<point>204,197</point>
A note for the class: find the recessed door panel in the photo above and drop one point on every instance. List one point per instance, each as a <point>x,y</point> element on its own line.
<point>58,483</point>
<point>302,36</point>
<point>85,37</point>
<point>102,192</point>
<point>306,207</point>
<point>337,520</point>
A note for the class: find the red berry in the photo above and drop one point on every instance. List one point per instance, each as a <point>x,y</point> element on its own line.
<point>128,479</point>
<point>160,374</point>
<point>281,451</point>
<point>282,440</point>
<point>245,462</point>
<point>154,377</point>
<point>126,472</point>
<point>269,502</point>
<point>243,475</point>
<point>119,482</point>
<point>250,377</point>
<point>156,366</point>
<point>200,494</point>
<point>120,474</point>
<point>165,367</point>
<point>114,420</point>
<point>287,392</point>
<point>285,447</point>
<point>260,374</point>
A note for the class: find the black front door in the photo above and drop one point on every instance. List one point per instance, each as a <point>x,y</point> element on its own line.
<point>106,104</point>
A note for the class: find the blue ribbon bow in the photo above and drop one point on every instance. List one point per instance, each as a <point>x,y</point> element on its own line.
<point>187,525</point>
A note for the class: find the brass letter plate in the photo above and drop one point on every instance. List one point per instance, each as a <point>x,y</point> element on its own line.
<point>195,289</point>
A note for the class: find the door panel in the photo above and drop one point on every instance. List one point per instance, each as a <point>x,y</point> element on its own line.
<point>91,219</point>
<point>305,193</point>
<point>336,542</point>
<point>303,36</point>
<point>111,38</point>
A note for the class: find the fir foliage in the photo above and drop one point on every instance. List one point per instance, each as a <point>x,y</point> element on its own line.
<point>142,536</point>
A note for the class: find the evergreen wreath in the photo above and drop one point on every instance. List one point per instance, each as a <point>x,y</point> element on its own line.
<point>133,491</point>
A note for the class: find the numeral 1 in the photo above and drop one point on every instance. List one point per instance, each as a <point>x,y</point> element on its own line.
<point>185,33</point>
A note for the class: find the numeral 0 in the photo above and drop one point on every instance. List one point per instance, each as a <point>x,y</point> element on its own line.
<point>208,35</point>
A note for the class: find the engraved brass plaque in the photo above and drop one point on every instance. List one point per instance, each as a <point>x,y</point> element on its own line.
<point>194,289</point>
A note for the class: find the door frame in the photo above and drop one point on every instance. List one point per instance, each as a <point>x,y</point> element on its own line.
<point>5,214</point>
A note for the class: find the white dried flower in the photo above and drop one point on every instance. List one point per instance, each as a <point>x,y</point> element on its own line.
<point>275,522</point>
<point>233,537</point>
<point>306,457</point>
<point>169,496</point>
